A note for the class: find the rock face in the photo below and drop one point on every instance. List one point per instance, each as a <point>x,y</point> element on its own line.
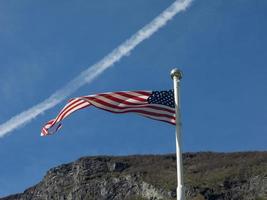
<point>211,176</point>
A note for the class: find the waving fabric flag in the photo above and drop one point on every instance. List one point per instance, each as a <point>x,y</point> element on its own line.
<point>158,105</point>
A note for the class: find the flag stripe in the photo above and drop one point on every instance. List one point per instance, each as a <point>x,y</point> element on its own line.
<point>131,96</point>
<point>124,105</point>
<point>71,103</point>
<point>101,104</point>
<point>158,105</point>
<point>78,106</point>
<point>121,99</point>
<point>169,119</point>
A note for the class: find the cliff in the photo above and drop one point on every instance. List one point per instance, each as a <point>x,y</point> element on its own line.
<point>222,176</point>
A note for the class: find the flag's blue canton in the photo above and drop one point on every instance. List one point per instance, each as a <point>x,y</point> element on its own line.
<point>162,97</point>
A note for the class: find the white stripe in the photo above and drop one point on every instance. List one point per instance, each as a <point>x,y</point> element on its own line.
<point>127,99</point>
<point>68,106</point>
<point>73,109</point>
<point>168,119</point>
<point>129,109</point>
<point>125,106</point>
<point>44,130</point>
<point>114,102</point>
<point>158,118</point>
<point>119,96</point>
<point>138,94</point>
<point>143,97</point>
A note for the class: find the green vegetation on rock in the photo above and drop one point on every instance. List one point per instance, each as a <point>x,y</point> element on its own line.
<point>211,176</point>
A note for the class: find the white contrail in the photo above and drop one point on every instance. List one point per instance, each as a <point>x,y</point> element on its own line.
<point>95,70</point>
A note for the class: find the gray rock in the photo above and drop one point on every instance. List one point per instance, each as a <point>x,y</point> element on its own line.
<point>211,176</point>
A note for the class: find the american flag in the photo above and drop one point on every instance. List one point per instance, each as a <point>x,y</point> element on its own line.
<point>158,105</point>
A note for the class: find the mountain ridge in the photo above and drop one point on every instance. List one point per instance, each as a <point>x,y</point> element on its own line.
<point>208,175</point>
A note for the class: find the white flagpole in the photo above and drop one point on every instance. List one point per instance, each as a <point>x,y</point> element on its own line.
<point>176,75</point>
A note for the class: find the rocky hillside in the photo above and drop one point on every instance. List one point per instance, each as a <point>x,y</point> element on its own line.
<point>235,176</point>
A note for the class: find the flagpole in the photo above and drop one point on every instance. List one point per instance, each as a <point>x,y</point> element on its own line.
<point>176,75</point>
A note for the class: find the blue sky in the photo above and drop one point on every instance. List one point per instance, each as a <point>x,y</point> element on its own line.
<point>219,45</point>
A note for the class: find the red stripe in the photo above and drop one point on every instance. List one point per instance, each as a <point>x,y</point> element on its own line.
<point>124,101</point>
<point>73,108</point>
<point>50,122</point>
<point>60,117</point>
<point>44,131</point>
<point>66,110</point>
<point>66,107</point>
<point>140,114</point>
<point>134,110</point>
<point>124,94</point>
<point>170,122</point>
<point>63,116</point>
<point>172,111</point>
